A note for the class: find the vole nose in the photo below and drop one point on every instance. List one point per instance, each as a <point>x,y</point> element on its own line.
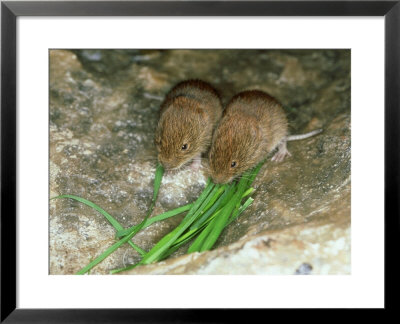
<point>165,163</point>
<point>218,179</point>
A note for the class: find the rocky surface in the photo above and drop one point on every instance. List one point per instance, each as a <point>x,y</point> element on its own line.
<point>103,112</point>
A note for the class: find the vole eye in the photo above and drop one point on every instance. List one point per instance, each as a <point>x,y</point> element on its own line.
<point>184,147</point>
<point>233,164</point>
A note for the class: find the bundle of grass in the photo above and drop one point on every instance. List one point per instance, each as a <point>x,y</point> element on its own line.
<point>217,206</point>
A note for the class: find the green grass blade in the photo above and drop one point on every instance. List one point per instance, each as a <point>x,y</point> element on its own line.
<point>231,188</point>
<point>196,245</point>
<point>240,210</point>
<point>218,193</point>
<point>157,183</point>
<point>199,241</point>
<point>248,192</point>
<point>111,219</point>
<point>216,204</point>
<point>163,245</point>
<point>169,239</point>
<point>105,254</point>
<point>222,219</point>
<point>254,172</point>
<point>154,219</point>
<point>188,235</point>
<point>218,225</point>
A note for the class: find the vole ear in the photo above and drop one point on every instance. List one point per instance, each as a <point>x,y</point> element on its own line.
<point>191,104</point>
<point>255,130</point>
<point>200,112</point>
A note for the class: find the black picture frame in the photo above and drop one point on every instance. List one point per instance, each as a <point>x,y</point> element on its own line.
<point>11,10</point>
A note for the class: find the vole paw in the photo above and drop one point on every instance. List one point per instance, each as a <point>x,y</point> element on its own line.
<point>281,154</point>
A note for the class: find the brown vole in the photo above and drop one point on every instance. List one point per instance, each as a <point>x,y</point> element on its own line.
<point>188,116</point>
<point>253,125</point>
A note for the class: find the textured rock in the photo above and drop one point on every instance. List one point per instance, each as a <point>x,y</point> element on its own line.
<point>103,112</point>
<point>302,249</point>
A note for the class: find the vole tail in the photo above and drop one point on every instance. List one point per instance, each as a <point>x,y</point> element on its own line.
<point>303,136</point>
